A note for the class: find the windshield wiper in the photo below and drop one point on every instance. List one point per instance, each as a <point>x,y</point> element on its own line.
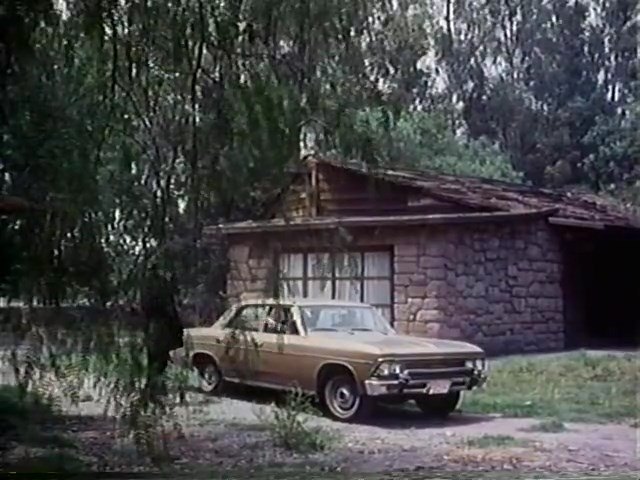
<point>324,329</point>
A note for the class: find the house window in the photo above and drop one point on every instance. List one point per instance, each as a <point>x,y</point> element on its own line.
<point>360,276</point>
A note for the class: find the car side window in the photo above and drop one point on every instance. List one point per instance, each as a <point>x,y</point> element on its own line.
<point>250,318</point>
<point>280,321</point>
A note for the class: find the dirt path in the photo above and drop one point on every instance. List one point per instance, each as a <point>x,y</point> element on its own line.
<point>228,433</point>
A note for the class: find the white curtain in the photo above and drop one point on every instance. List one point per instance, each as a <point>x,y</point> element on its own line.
<point>319,265</point>
<point>320,288</point>
<point>348,265</point>
<point>377,264</point>
<point>358,277</point>
<point>291,274</point>
<point>348,290</point>
<point>377,281</point>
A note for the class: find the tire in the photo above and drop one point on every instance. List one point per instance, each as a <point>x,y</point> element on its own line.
<point>209,378</point>
<point>342,400</point>
<point>438,406</point>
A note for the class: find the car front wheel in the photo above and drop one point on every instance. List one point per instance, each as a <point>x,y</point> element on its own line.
<point>210,378</point>
<point>438,406</point>
<point>343,401</point>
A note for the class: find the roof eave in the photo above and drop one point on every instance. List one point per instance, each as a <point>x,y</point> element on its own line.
<point>591,224</point>
<point>377,221</point>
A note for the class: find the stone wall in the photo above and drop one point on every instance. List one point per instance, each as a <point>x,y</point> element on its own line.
<point>251,270</point>
<point>498,286</point>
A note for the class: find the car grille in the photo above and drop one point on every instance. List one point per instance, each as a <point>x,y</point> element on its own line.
<point>434,369</point>
<point>439,373</point>
<point>434,363</point>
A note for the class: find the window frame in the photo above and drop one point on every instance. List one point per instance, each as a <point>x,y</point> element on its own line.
<point>239,311</point>
<point>267,307</point>
<point>334,278</point>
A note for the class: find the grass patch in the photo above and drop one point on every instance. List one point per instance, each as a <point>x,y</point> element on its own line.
<point>573,387</point>
<point>496,441</point>
<point>548,426</point>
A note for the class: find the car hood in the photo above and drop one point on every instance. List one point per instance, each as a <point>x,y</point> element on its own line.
<point>403,345</point>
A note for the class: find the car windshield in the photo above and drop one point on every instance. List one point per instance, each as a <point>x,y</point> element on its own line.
<point>330,318</point>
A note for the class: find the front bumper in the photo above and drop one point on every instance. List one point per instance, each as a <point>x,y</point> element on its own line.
<point>178,357</point>
<point>425,382</point>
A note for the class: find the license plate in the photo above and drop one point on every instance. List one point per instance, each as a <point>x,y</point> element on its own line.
<point>438,387</point>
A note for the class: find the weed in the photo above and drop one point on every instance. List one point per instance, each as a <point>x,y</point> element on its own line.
<point>288,425</point>
<point>496,441</point>
<point>549,426</point>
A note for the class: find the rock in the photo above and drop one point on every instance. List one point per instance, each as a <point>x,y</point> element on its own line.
<point>432,262</point>
<point>436,288</point>
<point>427,316</point>
<point>239,253</point>
<point>437,273</point>
<point>406,250</point>
<point>405,267</point>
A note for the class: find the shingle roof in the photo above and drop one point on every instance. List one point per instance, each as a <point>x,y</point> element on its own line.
<point>486,194</point>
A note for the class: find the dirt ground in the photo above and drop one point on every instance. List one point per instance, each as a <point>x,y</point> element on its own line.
<point>227,433</point>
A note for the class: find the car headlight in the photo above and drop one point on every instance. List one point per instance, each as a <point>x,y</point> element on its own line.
<point>481,364</point>
<point>388,369</point>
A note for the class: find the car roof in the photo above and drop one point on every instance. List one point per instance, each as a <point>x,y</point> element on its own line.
<point>303,302</point>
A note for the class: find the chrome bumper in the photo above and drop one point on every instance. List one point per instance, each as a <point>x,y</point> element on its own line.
<point>178,357</point>
<point>405,385</point>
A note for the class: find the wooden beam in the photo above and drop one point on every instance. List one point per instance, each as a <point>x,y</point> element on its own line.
<point>320,223</point>
<point>314,190</point>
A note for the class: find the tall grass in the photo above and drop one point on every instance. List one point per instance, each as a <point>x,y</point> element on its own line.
<point>576,387</point>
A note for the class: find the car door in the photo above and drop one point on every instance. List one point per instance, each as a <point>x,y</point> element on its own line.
<point>242,344</point>
<point>285,356</point>
<point>275,337</point>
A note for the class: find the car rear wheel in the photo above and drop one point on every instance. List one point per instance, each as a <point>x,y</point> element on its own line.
<point>342,399</point>
<point>438,406</point>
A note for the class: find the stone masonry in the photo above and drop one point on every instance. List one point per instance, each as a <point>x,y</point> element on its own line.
<point>495,285</point>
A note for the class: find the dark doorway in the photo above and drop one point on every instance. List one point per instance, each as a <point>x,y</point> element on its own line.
<point>602,289</point>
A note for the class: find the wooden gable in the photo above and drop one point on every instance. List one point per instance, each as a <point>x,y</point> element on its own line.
<point>326,190</point>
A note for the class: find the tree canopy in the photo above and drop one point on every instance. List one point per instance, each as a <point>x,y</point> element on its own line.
<point>142,121</point>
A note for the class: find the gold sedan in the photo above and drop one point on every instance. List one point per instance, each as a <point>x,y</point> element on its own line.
<point>347,354</point>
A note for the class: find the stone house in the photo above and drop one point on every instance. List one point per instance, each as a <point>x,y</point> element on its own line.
<point>508,267</point>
